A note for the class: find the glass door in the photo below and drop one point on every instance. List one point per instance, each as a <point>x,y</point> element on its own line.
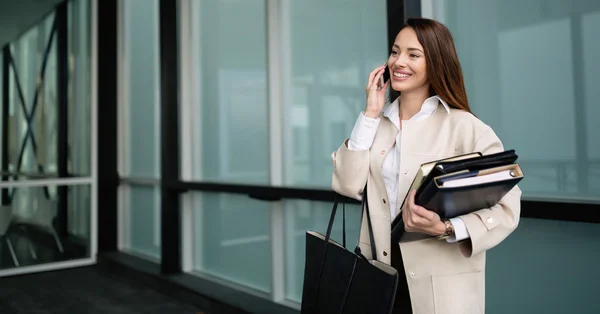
<point>48,144</point>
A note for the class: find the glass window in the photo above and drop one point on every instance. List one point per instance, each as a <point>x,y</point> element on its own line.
<point>79,30</point>
<point>142,91</point>
<point>327,52</point>
<point>231,124</point>
<point>33,153</point>
<point>531,74</point>
<point>302,216</point>
<point>329,49</point>
<point>29,234</point>
<point>523,269</point>
<point>140,127</point>
<point>232,239</point>
<point>142,221</point>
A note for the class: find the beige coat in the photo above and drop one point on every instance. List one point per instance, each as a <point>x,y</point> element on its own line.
<point>442,277</point>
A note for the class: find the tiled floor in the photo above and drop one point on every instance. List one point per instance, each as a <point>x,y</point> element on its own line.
<point>84,290</point>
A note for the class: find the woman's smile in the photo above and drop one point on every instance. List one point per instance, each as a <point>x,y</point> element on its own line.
<point>401,75</point>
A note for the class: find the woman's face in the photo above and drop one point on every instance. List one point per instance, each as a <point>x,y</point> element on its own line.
<point>407,63</point>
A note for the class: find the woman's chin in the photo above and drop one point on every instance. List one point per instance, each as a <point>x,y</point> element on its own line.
<point>401,86</point>
<point>406,86</point>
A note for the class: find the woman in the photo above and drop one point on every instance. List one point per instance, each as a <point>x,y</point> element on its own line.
<point>441,263</point>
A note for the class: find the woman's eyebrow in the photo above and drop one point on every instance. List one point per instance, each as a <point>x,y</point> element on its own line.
<point>410,49</point>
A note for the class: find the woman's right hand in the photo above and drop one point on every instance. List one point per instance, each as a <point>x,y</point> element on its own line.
<point>375,96</point>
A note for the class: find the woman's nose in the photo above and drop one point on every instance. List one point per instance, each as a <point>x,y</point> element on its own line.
<point>400,61</point>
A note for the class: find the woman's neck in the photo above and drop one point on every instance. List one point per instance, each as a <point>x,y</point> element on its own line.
<point>411,102</point>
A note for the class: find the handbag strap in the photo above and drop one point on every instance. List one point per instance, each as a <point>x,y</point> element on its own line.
<point>344,224</point>
<point>365,208</point>
<point>328,236</point>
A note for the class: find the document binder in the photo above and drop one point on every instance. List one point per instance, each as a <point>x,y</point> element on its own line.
<point>461,193</point>
<point>460,185</point>
<point>425,174</point>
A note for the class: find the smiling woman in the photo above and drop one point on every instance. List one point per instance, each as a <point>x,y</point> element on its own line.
<point>427,47</point>
<point>430,120</point>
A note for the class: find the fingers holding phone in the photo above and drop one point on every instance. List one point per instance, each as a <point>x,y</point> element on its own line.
<point>376,89</point>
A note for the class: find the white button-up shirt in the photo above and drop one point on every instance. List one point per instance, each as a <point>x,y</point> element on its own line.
<point>362,138</point>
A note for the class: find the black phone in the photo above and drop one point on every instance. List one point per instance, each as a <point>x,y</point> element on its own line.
<point>384,77</point>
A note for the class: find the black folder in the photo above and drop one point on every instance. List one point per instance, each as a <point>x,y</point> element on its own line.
<point>470,195</point>
<point>455,187</point>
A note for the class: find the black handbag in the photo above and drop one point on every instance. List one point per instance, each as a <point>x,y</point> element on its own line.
<point>337,280</point>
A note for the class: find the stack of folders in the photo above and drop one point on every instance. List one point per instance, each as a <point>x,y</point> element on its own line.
<point>462,184</point>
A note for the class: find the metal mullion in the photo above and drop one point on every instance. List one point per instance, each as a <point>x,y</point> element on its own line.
<point>156,212</point>
<point>139,181</point>
<point>93,16</point>
<point>62,83</point>
<point>277,233</point>
<point>106,79</point>
<point>46,182</point>
<point>169,126</point>
<point>47,267</point>
<point>5,117</point>
<point>186,118</point>
<point>123,138</point>
<point>580,113</point>
<point>412,8</point>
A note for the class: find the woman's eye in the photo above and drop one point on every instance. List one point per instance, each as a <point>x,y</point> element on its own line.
<point>394,52</point>
<point>414,55</point>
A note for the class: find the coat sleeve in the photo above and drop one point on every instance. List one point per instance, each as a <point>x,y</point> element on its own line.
<point>490,226</point>
<point>350,171</point>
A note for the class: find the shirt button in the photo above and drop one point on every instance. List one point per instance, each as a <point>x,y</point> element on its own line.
<point>405,172</point>
<point>384,253</point>
<point>382,152</point>
<point>490,220</point>
<point>412,274</point>
<point>384,200</point>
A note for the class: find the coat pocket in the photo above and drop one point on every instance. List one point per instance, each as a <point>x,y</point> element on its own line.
<point>460,293</point>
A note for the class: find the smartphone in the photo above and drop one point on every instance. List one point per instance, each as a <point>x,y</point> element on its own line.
<point>384,77</point>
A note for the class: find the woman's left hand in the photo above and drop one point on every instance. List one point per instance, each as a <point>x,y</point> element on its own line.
<point>418,219</point>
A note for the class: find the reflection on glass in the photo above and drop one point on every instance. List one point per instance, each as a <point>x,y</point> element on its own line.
<point>32,120</point>
<point>232,67</point>
<point>517,270</point>
<point>232,239</point>
<point>302,216</point>
<point>533,78</point>
<point>32,230</point>
<point>142,68</point>
<point>590,45</point>
<point>79,100</point>
<point>141,215</point>
<point>329,50</point>
<point>32,141</point>
<point>142,218</point>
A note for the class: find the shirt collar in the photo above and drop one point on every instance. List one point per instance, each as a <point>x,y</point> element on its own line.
<point>429,106</point>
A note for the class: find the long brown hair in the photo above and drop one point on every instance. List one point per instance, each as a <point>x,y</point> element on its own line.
<point>443,68</point>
